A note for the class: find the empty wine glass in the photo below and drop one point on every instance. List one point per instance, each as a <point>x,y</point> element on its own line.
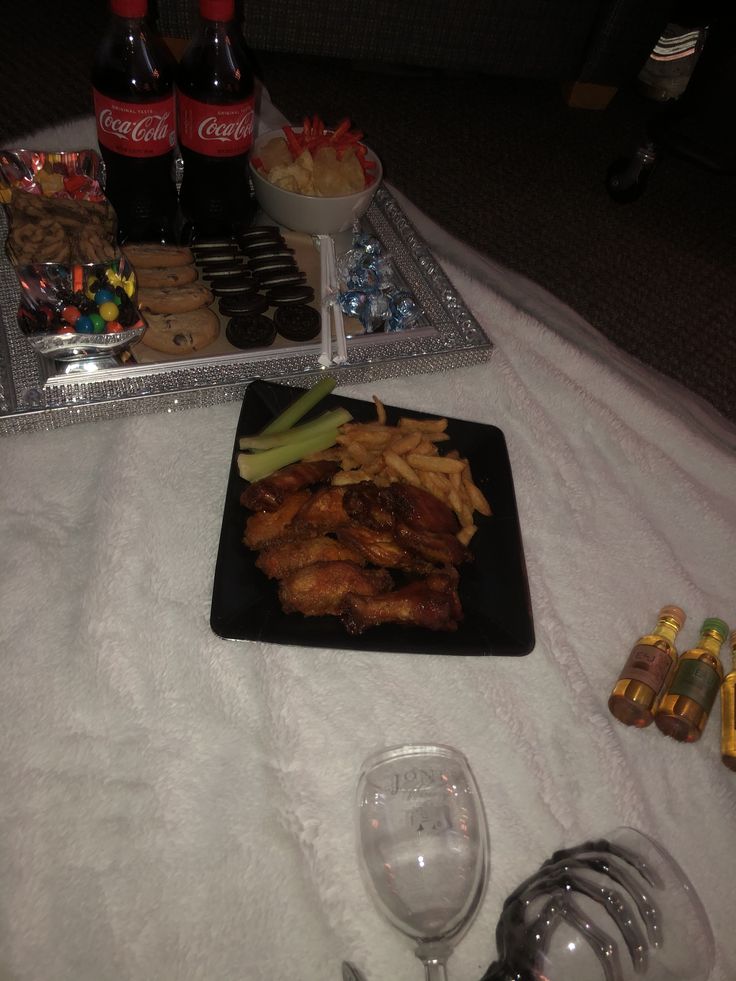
<point>423,846</point>
<point>616,908</point>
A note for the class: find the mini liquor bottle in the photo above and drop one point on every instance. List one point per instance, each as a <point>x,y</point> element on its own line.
<point>684,708</point>
<point>647,671</point>
<point>728,710</point>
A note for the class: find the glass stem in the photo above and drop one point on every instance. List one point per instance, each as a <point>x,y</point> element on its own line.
<point>435,969</point>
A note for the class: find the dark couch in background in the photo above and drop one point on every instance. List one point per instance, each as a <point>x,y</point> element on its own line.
<point>589,44</point>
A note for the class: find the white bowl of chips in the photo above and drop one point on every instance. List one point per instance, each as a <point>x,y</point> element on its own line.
<point>321,191</point>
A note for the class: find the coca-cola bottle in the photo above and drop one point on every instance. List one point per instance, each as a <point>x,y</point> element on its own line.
<point>133,88</point>
<point>215,121</point>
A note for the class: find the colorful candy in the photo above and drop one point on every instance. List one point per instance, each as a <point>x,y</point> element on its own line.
<point>96,301</point>
<point>108,310</point>
<point>70,315</point>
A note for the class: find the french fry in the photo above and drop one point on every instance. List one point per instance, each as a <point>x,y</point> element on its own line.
<point>359,452</point>
<point>466,533</point>
<point>380,410</point>
<point>371,437</point>
<point>425,448</point>
<point>407,443</point>
<point>361,427</point>
<point>436,483</point>
<point>456,502</point>
<point>441,464</point>
<point>476,495</point>
<point>399,465</point>
<point>426,425</point>
<point>376,466</point>
<point>350,477</point>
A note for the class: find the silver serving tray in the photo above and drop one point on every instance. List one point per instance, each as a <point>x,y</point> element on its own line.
<point>37,395</point>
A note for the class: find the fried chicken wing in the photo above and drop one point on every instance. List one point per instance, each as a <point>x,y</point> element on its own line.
<point>264,527</point>
<point>321,588</point>
<point>431,602</point>
<point>420,510</point>
<point>434,546</point>
<point>365,503</point>
<point>323,512</point>
<point>279,560</point>
<point>381,548</point>
<point>269,493</point>
<point>383,507</point>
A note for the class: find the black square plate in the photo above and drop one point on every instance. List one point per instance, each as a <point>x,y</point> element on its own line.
<point>493,589</point>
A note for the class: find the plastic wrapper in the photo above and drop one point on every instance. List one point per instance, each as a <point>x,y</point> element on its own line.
<point>371,292</point>
<point>73,174</point>
<point>79,310</point>
<point>56,207</point>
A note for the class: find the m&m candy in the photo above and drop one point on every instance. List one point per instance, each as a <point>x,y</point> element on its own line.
<point>70,315</point>
<point>84,325</point>
<point>108,310</point>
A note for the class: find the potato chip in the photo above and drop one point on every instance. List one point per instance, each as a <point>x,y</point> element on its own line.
<point>334,176</point>
<point>275,153</point>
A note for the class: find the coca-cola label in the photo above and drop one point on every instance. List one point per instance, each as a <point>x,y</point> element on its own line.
<point>215,131</point>
<point>135,129</point>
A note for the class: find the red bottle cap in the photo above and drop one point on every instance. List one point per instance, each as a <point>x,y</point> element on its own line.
<point>129,8</point>
<point>217,9</point>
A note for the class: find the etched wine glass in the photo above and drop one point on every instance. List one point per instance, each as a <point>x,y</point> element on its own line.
<point>615,908</point>
<point>423,846</point>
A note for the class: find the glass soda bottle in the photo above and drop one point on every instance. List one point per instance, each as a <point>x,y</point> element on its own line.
<point>728,710</point>
<point>647,670</point>
<point>215,121</point>
<point>133,90</point>
<point>684,708</point>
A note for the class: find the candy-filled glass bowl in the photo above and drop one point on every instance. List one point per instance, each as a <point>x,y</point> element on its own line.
<point>315,213</point>
<point>71,311</point>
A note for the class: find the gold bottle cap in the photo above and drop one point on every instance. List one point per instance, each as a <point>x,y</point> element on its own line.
<point>675,613</point>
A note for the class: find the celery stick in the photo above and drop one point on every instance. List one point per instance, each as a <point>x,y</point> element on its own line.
<point>300,407</point>
<point>254,466</point>
<point>328,420</point>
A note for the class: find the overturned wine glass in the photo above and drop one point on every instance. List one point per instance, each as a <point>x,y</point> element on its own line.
<point>617,908</point>
<point>423,846</point>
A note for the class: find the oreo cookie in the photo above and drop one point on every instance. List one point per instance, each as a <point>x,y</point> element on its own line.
<point>241,283</point>
<point>289,295</point>
<point>297,322</point>
<point>251,330</point>
<point>272,262</point>
<point>222,270</point>
<point>259,233</point>
<point>280,277</point>
<point>243,304</point>
<point>205,245</point>
<point>268,251</point>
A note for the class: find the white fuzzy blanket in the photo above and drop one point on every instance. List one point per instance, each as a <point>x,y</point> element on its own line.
<point>177,807</point>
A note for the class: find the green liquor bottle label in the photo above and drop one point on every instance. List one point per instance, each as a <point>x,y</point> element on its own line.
<point>650,665</point>
<point>697,681</point>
